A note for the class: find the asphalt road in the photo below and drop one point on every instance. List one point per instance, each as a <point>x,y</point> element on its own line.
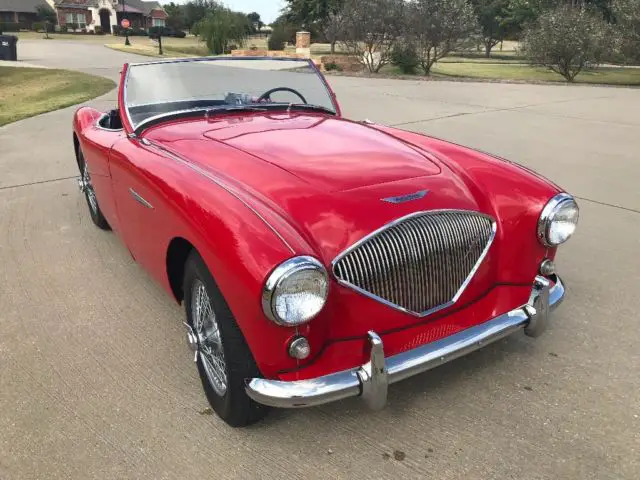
<point>96,380</point>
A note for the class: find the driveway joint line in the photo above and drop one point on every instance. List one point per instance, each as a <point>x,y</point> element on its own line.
<point>9,187</point>
<point>605,204</point>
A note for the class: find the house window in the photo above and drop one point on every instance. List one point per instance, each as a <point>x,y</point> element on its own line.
<point>158,22</point>
<point>79,19</point>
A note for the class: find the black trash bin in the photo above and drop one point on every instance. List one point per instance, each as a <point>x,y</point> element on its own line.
<point>9,48</point>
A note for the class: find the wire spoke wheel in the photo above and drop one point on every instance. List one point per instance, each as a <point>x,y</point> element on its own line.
<point>88,190</point>
<point>206,329</point>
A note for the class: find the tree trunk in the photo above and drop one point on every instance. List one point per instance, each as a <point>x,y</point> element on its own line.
<point>333,47</point>
<point>487,50</point>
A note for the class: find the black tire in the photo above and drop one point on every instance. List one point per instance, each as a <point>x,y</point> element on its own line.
<point>94,209</point>
<point>233,406</point>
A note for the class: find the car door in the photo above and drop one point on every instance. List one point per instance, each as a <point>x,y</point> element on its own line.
<point>145,221</point>
<point>96,143</point>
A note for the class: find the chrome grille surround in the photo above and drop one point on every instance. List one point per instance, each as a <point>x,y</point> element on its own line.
<point>399,263</point>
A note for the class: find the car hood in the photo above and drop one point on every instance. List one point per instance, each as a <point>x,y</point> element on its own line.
<point>329,153</point>
<point>325,180</point>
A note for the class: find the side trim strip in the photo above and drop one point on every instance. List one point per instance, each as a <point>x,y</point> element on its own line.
<point>136,196</point>
<point>206,174</point>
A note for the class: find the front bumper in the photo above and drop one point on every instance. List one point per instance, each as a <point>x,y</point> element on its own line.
<point>371,380</point>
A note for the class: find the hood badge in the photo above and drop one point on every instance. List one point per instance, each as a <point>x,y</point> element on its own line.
<point>406,198</point>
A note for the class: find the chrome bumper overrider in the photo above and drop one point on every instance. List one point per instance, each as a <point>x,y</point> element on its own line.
<point>370,381</point>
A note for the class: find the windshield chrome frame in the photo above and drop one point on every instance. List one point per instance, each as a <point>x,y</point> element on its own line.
<point>306,61</point>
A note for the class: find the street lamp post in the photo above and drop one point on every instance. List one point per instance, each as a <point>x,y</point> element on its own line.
<point>126,30</point>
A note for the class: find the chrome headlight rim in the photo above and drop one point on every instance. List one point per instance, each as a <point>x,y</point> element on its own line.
<point>546,217</point>
<point>281,273</point>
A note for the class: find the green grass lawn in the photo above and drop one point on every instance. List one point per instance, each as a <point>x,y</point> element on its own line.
<point>613,76</point>
<point>25,92</point>
<point>150,49</point>
<point>526,73</point>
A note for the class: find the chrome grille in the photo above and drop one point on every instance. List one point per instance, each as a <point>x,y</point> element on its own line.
<point>419,263</point>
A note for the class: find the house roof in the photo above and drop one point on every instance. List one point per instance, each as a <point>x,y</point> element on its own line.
<point>22,6</point>
<point>72,3</point>
<point>145,7</point>
<point>134,6</point>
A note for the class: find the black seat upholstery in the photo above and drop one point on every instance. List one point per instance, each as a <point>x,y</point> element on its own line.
<point>111,120</point>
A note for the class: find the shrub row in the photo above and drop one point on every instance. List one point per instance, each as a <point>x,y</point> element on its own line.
<point>166,32</point>
<point>11,27</point>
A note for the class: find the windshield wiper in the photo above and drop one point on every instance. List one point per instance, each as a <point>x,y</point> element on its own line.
<point>233,108</point>
<point>309,106</point>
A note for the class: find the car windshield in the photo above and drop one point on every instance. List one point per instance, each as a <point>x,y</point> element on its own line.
<point>155,90</point>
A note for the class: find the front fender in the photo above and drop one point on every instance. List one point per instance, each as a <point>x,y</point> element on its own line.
<point>517,196</point>
<point>84,117</point>
<point>237,244</point>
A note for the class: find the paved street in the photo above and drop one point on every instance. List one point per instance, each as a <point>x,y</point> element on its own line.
<point>96,381</point>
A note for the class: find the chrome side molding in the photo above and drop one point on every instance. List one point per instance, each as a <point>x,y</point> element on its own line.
<point>136,196</point>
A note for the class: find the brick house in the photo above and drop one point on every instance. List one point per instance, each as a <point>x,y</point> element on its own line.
<point>106,14</point>
<point>20,11</point>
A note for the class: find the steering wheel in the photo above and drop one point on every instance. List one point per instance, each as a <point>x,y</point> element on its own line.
<point>267,95</point>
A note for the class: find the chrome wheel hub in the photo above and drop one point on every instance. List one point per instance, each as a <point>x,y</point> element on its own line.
<point>204,338</point>
<point>84,183</point>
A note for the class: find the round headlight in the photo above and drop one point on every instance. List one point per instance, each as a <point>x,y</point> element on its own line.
<point>296,291</point>
<point>558,220</point>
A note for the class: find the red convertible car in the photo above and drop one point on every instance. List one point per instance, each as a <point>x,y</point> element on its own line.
<point>317,258</point>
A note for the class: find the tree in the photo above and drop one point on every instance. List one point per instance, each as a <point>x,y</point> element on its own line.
<point>255,21</point>
<point>318,15</point>
<point>196,10</point>
<point>333,29</point>
<point>221,28</point>
<point>283,22</point>
<point>436,27</point>
<point>495,20</point>
<point>627,15</point>
<point>176,16</point>
<point>371,30</point>
<point>48,17</point>
<point>567,40</point>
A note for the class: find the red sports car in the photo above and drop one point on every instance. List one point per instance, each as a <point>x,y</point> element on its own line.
<point>317,258</point>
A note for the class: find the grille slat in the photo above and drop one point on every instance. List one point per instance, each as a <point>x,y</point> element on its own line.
<point>419,263</point>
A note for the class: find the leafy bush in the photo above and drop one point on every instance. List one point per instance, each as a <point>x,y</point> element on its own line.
<point>221,28</point>
<point>405,57</point>
<point>332,66</point>
<point>72,26</point>
<point>10,27</point>
<point>154,32</point>
<point>627,14</point>
<point>132,32</point>
<point>98,30</point>
<point>567,40</point>
<point>278,38</point>
<point>64,29</point>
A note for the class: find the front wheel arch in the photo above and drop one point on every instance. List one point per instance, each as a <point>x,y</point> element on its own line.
<point>76,150</point>
<point>177,254</point>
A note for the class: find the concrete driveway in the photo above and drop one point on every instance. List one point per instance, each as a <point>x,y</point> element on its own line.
<point>96,381</point>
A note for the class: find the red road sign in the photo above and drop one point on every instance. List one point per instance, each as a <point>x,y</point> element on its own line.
<point>125,23</point>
